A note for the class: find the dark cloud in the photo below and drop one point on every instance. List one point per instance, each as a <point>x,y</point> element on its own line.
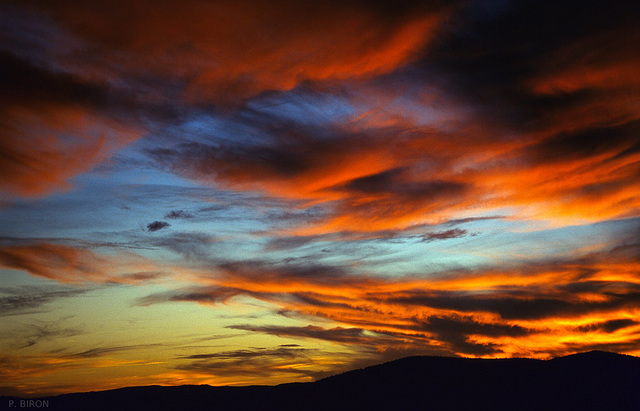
<point>319,301</point>
<point>391,181</point>
<point>629,251</point>
<point>144,275</point>
<point>178,214</point>
<point>352,238</point>
<point>292,160</point>
<point>240,276</point>
<point>285,243</point>
<point>383,311</point>
<point>73,242</point>
<point>250,354</point>
<point>459,221</point>
<point>612,141</point>
<point>266,272</point>
<point>157,225</point>
<point>33,73</point>
<point>254,362</point>
<point>600,287</point>
<point>22,83</point>
<point>444,235</point>
<point>469,326</point>
<point>359,40</point>
<point>566,95</point>
<point>337,334</point>
<point>210,295</point>
<point>102,351</point>
<point>35,333</point>
<point>58,123</point>
<point>609,326</point>
<point>15,301</point>
<point>188,244</point>
<point>286,157</point>
<point>489,52</point>
<point>527,307</point>
<point>54,126</point>
<point>456,332</point>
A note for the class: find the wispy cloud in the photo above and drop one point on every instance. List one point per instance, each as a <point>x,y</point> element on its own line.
<point>15,301</point>
<point>38,332</point>
<point>256,362</point>
<point>445,235</point>
<point>492,311</point>
<point>188,244</point>
<point>102,351</point>
<point>178,214</point>
<point>69,264</point>
<point>337,334</point>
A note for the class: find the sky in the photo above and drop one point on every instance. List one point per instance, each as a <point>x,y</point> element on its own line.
<point>259,192</point>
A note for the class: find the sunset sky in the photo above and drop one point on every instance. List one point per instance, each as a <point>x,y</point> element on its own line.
<point>258,192</point>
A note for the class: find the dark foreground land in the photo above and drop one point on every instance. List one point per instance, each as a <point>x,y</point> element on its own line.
<point>589,381</point>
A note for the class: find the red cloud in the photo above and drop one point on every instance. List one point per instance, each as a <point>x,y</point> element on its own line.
<point>68,264</point>
<point>42,149</point>
<point>532,309</point>
<point>230,50</point>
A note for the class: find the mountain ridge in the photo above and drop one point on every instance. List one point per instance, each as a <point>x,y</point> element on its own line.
<point>592,380</point>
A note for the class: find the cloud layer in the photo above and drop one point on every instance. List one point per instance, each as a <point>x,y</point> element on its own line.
<point>582,303</point>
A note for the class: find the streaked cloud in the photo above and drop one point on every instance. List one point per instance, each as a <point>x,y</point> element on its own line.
<point>178,214</point>
<point>14,301</point>
<point>68,264</point>
<point>492,311</point>
<point>445,235</point>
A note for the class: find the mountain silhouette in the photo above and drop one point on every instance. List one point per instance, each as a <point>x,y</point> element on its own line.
<point>589,381</point>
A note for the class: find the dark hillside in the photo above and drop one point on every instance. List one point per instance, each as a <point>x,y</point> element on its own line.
<point>588,381</point>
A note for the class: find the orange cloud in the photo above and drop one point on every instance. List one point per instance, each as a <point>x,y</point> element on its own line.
<point>68,264</point>
<point>607,61</point>
<point>228,51</point>
<point>472,159</point>
<point>54,127</point>
<point>388,178</point>
<point>43,149</point>
<point>536,309</point>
